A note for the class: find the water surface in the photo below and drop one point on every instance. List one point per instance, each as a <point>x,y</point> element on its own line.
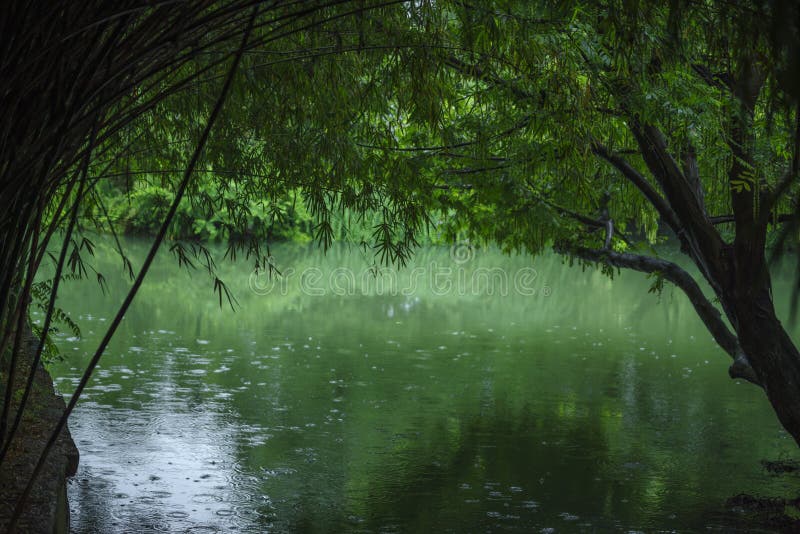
<point>523,395</point>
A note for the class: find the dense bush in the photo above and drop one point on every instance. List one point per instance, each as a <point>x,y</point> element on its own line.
<point>141,211</point>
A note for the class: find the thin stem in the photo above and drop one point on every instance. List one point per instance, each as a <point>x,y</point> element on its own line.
<point>21,502</point>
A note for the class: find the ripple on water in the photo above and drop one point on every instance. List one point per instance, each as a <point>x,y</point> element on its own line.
<point>272,472</point>
<point>205,528</point>
<point>207,498</point>
<point>178,514</point>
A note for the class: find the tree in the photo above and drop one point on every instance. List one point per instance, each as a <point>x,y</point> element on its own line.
<point>592,127</point>
<point>541,122</point>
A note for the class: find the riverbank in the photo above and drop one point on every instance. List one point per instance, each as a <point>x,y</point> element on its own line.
<point>47,509</point>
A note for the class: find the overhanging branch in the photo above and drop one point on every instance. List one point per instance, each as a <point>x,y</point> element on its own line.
<point>608,225</point>
<point>699,239</point>
<point>707,312</point>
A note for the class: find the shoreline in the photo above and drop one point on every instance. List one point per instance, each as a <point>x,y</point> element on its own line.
<point>47,509</point>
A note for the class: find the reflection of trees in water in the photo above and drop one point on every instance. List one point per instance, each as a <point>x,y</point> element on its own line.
<point>173,298</point>
<point>528,466</point>
<point>635,459</point>
<point>499,458</point>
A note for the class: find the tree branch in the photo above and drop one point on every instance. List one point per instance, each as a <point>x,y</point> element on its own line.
<point>641,183</point>
<point>608,225</point>
<point>723,219</point>
<point>698,236</point>
<point>707,312</point>
<point>679,190</point>
<point>481,74</point>
<point>720,80</point>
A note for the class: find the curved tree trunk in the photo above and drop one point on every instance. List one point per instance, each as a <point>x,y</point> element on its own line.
<point>777,363</point>
<point>773,356</point>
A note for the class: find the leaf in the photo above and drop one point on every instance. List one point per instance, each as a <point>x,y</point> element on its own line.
<point>220,288</point>
<point>101,280</point>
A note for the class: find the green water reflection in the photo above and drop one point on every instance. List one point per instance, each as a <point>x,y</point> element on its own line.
<point>564,402</point>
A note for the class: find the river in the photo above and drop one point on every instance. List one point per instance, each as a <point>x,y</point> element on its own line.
<point>468,391</point>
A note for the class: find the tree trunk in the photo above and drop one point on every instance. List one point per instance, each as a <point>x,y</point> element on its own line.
<point>773,356</point>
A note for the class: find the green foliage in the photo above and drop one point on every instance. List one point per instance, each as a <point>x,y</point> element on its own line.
<point>50,352</point>
<point>657,285</point>
<point>142,211</point>
<point>146,209</point>
<point>40,294</point>
<point>449,121</point>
